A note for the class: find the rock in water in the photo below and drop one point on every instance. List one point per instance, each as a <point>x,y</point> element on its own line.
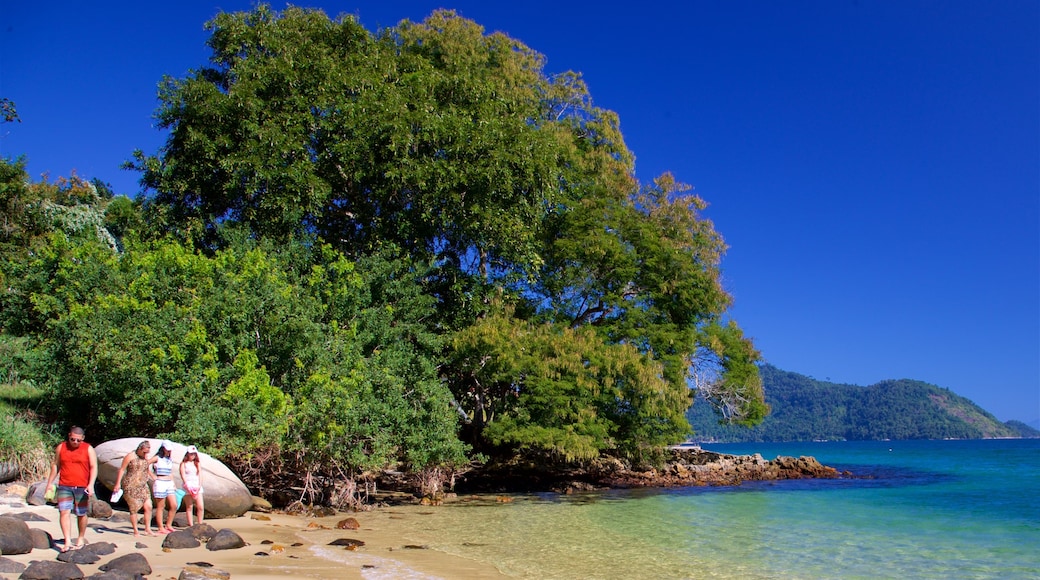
<point>225,494</point>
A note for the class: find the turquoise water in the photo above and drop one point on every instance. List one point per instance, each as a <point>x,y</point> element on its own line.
<point>919,509</point>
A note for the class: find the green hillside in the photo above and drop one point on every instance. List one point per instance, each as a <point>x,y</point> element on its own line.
<point>805,409</point>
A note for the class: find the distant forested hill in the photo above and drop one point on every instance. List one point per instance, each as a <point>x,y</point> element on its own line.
<point>805,409</point>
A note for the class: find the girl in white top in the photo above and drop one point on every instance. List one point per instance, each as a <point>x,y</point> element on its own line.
<point>191,475</point>
<point>163,489</point>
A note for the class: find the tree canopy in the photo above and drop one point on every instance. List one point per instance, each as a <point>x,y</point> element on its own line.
<point>361,247</point>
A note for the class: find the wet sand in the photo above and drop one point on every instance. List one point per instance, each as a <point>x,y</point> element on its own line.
<point>278,546</point>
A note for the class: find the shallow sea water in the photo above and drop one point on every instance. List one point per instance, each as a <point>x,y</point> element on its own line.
<point>918,509</point>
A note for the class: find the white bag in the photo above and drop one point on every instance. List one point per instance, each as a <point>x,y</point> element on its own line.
<point>116,496</point>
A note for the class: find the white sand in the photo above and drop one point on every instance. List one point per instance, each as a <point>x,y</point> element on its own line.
<point>384,554</point>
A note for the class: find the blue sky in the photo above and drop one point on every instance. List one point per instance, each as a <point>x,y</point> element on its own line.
<point>873,165</point>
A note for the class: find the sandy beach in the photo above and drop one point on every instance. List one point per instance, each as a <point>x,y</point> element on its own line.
<point>278,546</point>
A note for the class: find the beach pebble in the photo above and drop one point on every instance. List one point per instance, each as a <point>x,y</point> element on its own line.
<point>348,524</point>
<point>348,543</point>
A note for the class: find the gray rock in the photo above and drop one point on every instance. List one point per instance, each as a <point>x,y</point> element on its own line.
<point>349,543</point>
<point>51,570</point>
<point>99,508</point>
<point>115,575</point>
<point>132,563</point>
<point>9,471</point>
<point>35,494</point>
<point>42,539</point>
<point>100,548</point>
<point>15,537</point>
<point>191,572</point>
<point>261,505</point>
<point>9,566</point>
<point>226,495</point>
<point>225,540</point>
<point>28,517</point>
<point>80,556</point>
<point>203,532</point>
<point>180,540</point>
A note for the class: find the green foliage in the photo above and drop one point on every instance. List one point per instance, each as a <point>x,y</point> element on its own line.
<point>23,440</point>
<point>805,409</point>
<point>8,111</point>
<point>351,240</point>
<point>552,388</point>
<point>236,351</point>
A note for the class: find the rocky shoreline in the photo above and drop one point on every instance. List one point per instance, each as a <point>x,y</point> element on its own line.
<point>683,467</point>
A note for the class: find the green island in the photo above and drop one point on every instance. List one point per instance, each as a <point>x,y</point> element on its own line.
<point>806,409</point>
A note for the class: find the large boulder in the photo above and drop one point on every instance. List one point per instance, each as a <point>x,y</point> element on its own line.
<point>225,494</point>
<point>15,537</point>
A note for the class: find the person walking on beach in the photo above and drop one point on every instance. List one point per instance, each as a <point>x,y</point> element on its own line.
<point>134,479</point>
<point>163,488</point>
<point>75,467</point>
<point>191,475</point>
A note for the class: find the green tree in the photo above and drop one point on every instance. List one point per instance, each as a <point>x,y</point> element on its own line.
<point>453,147</point>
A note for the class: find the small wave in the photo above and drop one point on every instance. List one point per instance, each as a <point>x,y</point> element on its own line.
<point>372,567</point>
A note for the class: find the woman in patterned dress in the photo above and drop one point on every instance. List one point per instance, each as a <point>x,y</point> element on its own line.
<point>133,479</point>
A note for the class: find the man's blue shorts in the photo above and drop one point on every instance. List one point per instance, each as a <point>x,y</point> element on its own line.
<point>74,499</point>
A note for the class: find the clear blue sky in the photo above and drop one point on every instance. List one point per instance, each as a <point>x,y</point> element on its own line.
<point>874,165</point>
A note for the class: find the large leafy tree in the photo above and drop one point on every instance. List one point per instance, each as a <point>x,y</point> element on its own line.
<point>452,146</point>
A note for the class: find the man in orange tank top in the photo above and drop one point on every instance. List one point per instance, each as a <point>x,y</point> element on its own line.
<point>75,465</point>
